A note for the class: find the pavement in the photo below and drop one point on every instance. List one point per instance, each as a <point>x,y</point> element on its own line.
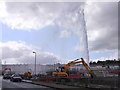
<point>0,82</point>
<point>34,85</point>
<point>30,85</point>
<point>60,86</point>
<point>48,84</point>
<point>9,84</point>
<point>57,86</point>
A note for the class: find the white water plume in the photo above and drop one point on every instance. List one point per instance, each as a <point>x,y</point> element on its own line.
<point>83,47</point>
<point>75,22</point>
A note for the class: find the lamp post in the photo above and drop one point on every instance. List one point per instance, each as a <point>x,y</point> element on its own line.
<point>35,62</point>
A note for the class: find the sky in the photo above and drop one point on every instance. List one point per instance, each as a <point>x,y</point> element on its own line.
<point>55,31</point>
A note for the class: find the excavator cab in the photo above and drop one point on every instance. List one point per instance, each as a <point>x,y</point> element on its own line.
<point>60,73</point>
<point>62,69</point>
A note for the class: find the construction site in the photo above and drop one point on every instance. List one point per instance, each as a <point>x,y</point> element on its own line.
<point>75,74</point>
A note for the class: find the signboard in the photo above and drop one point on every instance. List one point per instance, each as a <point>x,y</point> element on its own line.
<point>8,69</point>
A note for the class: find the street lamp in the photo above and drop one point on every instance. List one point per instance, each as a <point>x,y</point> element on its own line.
<point>35,63</point>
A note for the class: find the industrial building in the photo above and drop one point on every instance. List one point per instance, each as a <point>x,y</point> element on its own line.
<point>40,69</point>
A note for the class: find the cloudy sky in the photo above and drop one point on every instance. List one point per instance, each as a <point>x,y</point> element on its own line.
<point>56,31</point>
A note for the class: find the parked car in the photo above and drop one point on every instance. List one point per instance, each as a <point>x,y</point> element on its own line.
<point>6,76</point>
<point>15,78</point>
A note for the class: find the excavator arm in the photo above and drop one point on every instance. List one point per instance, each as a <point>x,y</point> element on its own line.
<point>83,62</point>
<point>88,68</point>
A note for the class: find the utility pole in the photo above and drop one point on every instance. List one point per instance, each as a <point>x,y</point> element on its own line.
<point>35,62</point>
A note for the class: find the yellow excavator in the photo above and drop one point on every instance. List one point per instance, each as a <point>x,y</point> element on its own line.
<point>27,75</point>
<point>62,73</point>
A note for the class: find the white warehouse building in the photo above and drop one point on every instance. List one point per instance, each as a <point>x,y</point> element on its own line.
<point>40,69</point>
<point>22,68</point>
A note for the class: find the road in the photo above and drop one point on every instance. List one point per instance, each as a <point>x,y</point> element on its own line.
<point>21,85</point>
<point>0,82</point>
<point>8,85</point>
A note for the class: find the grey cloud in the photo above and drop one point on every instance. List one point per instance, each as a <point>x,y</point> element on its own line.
<point>22,53</point>
<point>106,23</point>
<point>42,14</point>
<point>101,18</point>
<point>40,58</point>
<point>10,53</point>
